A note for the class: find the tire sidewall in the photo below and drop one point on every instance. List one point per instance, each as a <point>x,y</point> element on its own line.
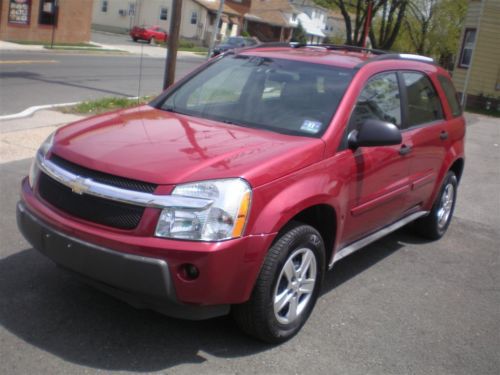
<point>309,238</point>
<point>450,179</point>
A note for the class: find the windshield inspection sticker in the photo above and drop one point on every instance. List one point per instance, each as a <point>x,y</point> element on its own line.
<point>311,126</point>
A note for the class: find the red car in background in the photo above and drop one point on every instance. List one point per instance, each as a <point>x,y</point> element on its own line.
<point>149,34</point>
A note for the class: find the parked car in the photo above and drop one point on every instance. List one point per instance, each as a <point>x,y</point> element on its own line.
<point>240,186</point>
<point>152,34</point>
<point>233,42</point>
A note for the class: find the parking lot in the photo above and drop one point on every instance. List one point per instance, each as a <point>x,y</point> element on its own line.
<point>399,306</point>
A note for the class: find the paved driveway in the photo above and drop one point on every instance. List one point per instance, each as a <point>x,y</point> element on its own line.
<point>400,306</point>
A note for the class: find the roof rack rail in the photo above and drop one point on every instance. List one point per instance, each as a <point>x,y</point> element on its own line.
<point>341,47</point>
<point>399,56</point>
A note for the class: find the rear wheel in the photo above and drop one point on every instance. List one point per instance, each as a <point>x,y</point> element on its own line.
<point>434,225</point>
<point>287,287</point>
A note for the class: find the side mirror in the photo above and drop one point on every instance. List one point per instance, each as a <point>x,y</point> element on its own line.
<point>374,133</point>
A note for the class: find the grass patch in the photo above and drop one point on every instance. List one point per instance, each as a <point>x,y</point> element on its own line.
<point>83,49</point>
<point>104,105</point>
<point>194,49</point>
<point>45,44</point>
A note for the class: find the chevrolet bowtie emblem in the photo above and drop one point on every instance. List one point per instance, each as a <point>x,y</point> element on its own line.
<point>79,185</point>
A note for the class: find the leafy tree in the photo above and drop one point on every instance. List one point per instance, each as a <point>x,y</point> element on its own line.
<point>432,27</point>
<point>388,13</point>
<point>299,35</point>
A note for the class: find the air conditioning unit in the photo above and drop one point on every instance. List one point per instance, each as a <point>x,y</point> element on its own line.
<point>122,12</point>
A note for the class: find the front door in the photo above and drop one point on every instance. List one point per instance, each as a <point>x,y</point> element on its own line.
<point>379,182</point>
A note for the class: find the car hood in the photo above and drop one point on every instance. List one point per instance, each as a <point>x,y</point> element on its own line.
<point>166,148</point>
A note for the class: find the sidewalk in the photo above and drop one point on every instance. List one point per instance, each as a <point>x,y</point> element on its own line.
<point>135,49</point>
<point>8,46</point>
<point>20,138</point>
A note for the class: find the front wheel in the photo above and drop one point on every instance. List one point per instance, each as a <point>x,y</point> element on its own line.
<point>434,225</point>
<point>287,287</point>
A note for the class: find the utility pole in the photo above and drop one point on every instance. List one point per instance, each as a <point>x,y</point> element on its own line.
<point>367,23</point>
<point>173,43</point>
<point>216,28</point>
<point>54,12</point>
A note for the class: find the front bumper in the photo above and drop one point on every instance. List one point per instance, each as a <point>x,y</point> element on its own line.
<point>141,281</point>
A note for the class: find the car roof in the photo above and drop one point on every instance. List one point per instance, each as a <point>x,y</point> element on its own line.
<point>340,56</point>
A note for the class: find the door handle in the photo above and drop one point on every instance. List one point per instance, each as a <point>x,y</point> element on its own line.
<point>443,135</point>
<point>404,150</point>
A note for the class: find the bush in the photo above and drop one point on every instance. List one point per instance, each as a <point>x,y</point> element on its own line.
<point>185,44</point>
<point>299,35</point>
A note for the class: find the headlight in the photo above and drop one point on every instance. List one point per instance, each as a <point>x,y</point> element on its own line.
<point>41,153</point>
<point>225,218</point>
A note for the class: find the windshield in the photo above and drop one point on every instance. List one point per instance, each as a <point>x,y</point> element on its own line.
<point>285,96</point>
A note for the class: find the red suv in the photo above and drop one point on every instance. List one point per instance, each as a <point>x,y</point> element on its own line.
<point>237,188</point>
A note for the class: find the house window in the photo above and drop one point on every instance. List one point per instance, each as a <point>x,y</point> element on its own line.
<point>19,12</point>
<point>194,18</point>
<point>104,6</point>
<point>48,12</point>
<point>467,48</point>
<point>163,13</point>
<point>294,17</point>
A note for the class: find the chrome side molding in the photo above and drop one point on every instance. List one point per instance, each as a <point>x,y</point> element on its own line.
<point>82,185</point>
<point>349,249</point>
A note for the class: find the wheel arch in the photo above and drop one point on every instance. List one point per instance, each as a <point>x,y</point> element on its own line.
<point>321,217</point>
<point>458,167</point>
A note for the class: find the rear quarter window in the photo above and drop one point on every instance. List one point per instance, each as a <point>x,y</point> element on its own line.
<point>451,95</point>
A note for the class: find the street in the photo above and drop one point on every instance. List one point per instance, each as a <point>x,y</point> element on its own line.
<point>38,78</point>
<point>400,306</point>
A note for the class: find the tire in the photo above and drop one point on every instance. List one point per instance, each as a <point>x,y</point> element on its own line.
<point>135,39</point>
<point>434,225</point>
<point>284,295</point>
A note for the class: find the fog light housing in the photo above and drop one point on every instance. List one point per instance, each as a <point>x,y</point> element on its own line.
<point>189,271</point>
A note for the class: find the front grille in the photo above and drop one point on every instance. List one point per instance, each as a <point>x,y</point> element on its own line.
<point>103,178</point>
<point>87,207</point>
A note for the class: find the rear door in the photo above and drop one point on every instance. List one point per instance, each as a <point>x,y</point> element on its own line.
<point>426,133</point>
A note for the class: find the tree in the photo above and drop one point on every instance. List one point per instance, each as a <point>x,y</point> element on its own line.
<point>388,13</point>
<point>432,28</point>
<point>299,35</point>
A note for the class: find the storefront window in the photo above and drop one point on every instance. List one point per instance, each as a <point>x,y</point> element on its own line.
<point>19,11</point>
<point>48,12</point>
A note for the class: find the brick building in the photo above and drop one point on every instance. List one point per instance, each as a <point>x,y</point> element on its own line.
<point>35,20</point>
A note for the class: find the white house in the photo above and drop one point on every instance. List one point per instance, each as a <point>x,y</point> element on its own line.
<point>198,16</point>
<point>313,19</point>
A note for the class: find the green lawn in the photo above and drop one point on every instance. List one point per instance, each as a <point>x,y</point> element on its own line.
<point>104,105</point>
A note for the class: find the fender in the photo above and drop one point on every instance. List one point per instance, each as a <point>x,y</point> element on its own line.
<point>455,153</point>
<point>273,208</point>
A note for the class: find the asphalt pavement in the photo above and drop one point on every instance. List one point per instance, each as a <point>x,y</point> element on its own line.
<point>400,306</point>
<point>32,78</point>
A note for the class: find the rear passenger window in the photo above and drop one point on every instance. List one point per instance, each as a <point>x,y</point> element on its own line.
<point>379,100</point>
<point>451,95</point>
<point>423,101</point>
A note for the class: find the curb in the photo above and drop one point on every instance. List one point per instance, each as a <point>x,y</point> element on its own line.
<point>29,111</point>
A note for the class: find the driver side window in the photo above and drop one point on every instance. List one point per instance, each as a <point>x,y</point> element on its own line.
<point>379,100</point>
